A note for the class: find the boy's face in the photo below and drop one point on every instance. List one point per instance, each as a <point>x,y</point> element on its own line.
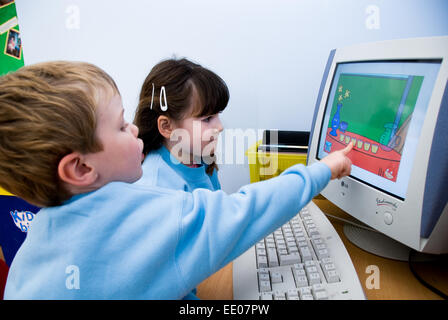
<point>121,157</point>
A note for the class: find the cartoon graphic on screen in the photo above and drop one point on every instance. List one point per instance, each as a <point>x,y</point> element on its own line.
<point>373,111</point>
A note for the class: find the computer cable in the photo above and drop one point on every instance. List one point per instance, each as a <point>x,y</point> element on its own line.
<point>420,279</point>
<point>410,261</point>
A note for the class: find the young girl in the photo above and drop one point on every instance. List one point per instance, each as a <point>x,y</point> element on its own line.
<point>178,121</point>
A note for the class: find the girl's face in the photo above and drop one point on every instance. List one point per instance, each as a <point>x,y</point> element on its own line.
<point>196,137</point>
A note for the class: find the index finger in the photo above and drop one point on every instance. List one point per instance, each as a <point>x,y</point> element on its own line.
<point>348,148</point>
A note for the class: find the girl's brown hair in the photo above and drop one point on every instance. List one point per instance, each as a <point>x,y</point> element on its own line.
<point>47,111</point>
<point>177,76</point>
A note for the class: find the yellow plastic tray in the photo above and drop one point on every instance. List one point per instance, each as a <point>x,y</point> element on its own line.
<point>265,165</point>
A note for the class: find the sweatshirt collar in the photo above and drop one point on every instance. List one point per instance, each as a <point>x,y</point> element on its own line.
<point>188,173</point>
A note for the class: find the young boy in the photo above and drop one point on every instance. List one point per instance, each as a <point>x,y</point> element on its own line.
<point>65,146</point>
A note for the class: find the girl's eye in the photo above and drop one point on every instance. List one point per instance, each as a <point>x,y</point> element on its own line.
<point>123,128</point>
<point>207,119</point>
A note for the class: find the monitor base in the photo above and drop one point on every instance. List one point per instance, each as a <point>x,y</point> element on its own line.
<point>381,245</point>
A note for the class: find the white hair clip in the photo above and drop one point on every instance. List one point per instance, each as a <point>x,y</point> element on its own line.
<point>152,97</point>
<point>164,106</point>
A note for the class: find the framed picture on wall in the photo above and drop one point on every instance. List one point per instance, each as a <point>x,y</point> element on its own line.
<point>13,44</point>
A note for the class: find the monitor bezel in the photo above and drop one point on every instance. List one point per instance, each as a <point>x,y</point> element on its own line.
<point>325,102</point>
<point>360,200</point>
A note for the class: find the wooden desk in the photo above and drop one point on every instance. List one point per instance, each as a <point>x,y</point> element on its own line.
<point>396,280</point>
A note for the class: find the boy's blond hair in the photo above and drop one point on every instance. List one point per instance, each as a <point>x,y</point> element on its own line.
<point>47,111</point>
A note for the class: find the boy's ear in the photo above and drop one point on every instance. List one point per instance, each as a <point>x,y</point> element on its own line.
<point>165,126</point>
<point>74,170</point>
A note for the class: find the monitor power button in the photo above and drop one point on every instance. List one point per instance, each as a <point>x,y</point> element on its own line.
<point>388,218</point>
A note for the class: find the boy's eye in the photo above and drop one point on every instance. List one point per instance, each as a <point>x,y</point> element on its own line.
<point>207,119</point>
<point>124,126</point>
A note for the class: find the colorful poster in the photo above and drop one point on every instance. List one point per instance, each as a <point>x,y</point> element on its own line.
<point>16,215</point>
<point>11,55</point>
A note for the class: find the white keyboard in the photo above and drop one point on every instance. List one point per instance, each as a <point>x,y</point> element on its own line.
<point>305,259</point>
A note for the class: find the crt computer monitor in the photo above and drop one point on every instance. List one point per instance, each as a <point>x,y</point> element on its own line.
<point>391,99</point>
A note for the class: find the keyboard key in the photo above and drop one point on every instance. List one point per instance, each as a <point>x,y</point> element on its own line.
<point>304,290</point>
<point>289,235</point>
<point>320,295</point>
<point>263,270</point>
<point>315,236</point>
<point>301,281</point>
<point>291,243</point>
<point>265,286</point>
<point>280,243</point>
<point>314,278</point>
<point>278,295</point>
<point>299,234</point>
<point>272,257</point>
<point>306,217</point>
<point>299,272</point>
<point>262,262</point>
<point>305,253</point>
<point>310,224</point>
<point>327,260</point>
<point>279,237</point>
<point>318,287</point>
<point>271,245</point>
<point>311,269</point>
<point>298,266</point>
<point>292,294</point>
<point>264,277</point>
<point>310,263</point>
<point>321,254</point>
<point>313,232</point>
<point>276,277</point>
<point>332,276</point>
<point>303,243</point>
<point>293,249</point>
<point>266,296</point>
<point>328,267</point>
<point>289,259</point>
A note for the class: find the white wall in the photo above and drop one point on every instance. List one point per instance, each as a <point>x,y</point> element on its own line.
<point>271,53</point>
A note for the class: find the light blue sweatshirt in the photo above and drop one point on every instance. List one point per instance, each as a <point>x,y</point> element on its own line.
<point>128,241</point>
<point>162,169</point>
<point>159,169</point>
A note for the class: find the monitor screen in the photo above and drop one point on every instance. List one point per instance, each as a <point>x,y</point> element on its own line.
<point>381,107</point>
